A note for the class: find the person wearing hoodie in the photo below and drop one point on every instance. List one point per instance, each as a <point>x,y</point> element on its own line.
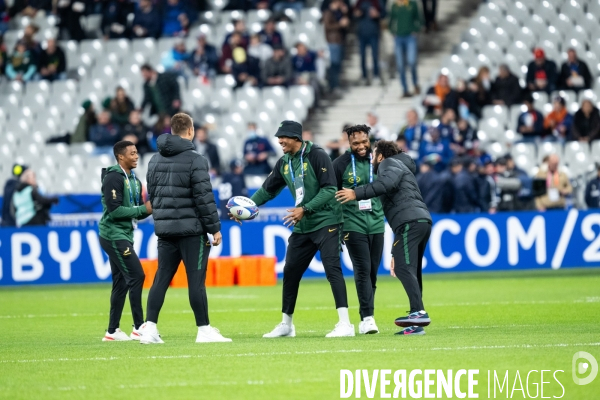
<point>185,212</point>
<point>122,207</point>
<point>8,220</point>
<point>363,222</point>
<point>409,218</point>
<point>466,194</point>
<point>307,171</point>
<point>29,207</point>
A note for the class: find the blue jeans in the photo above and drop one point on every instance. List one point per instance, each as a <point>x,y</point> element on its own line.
<point>406,50</point>
<point>373,42</point>
<point>336,55</point>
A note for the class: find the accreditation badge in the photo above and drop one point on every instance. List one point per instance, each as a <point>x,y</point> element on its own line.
<point>365,205</point>
<point>299,187</point>
<point>134,223</point>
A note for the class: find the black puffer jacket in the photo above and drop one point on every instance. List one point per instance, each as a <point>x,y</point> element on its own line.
<point>180,191</point>
<point>397,188</point>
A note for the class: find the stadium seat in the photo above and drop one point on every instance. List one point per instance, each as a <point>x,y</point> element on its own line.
<point>496,150</point>
<point>500,113</point>
<point>546,11</point>
<point>94,47</point>
<point>540,99</point>
<point>500,37</point>
<point>520,51</point>
<point>245,109</point>
<point>249,94</point>
<point>573,10</point>
<point>515,111</point>
<point>222,99</point>
<point>527,37</point>
<point>490,130</point>
<point>257,16</point>
<point>303,93</point>
<point>537,25</point>
<point>519,11</point>
<point>548,148</point>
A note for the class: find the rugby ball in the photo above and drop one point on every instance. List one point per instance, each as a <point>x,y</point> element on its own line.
<point>242,208</point>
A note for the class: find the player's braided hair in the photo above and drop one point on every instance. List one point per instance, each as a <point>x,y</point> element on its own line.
<point>386,148</point>
<point>357,128</point>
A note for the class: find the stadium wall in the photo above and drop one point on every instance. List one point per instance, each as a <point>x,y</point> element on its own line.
<point>475,242</point>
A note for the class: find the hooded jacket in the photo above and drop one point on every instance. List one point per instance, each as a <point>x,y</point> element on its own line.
<point>180,190</point>
<point>398,191</point>
<point>120,205</point>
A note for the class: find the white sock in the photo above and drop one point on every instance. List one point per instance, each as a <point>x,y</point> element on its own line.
<point>365,318</point>
<point>203,328</point>
<point>151,326</point>
<point>287,319</point>
<point>343,314</point>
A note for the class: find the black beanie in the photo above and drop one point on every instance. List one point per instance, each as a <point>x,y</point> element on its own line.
<point>290,129</point>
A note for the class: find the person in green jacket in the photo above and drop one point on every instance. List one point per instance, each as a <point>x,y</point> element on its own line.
<point>122,207</point>
<point>307,171</point>
<point>363,222</point>
<point>405,24</point>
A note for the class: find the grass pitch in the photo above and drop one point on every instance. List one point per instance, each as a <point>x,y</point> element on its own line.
<point>51,339</point>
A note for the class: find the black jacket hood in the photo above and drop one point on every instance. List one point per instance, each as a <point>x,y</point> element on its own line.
<point>171,145</point>
<point>408,161</point>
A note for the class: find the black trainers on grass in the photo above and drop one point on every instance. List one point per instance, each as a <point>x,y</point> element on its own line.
<point>411,330</point>
<point>418,318</point>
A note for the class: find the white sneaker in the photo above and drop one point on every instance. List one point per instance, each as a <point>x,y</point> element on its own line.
<point>342,329</point>
<point>136,334</point>
<point>367,326</point>
<point>118,336</point>
<point>209,334</point>
<point>282,330</point>
<point>150,335</point>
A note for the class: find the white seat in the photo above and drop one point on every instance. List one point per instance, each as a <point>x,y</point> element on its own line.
<point>222,99</point>
<point>42,87</point>
<point>249,94</point>
<point>224,81</point>
<point>85,149</point>
<point>35,101</point>
<point>547,11</point>
<point>500,37</point>
<point>526,36</point>
<point>94,47</point>
<point>519,11</point>
<point>569,95</point>
<point>496,150</point>
<point>515,112</point>
<point>58,151</point>
<point>276,93</point>
<point>562,23</point>
<point>312,14</point>
<point>490,130</point>
<point>520,51</point>
<point>573,10</point>
<point>595,150</point>
<point>245,109</point>
<point>587,94</point>
<point>145,46</point>
<point>537,25</point>
<point>497,111</point>
<point>484,25</point>
<point>548,148</point>
<point>165,44</point>
<point>121,47</point>
<point>68,86</point>
<point>540,99</point>
<point>303,93</point>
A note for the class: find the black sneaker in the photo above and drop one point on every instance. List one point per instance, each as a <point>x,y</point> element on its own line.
<point>418,318</point>
<point>411,330</point>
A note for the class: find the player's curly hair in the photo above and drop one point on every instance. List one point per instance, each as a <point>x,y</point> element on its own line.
<point>357,128</point>
<point>386,148</point>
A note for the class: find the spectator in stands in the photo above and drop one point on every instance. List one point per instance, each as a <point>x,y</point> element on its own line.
<point>29,8</point>
<point>278,70</point>
<point>281,5</point>
<point>465,137</point>
<point>429,11</point>
<point>209,150</point>
<point>226,60</point>
<point>20,66</point>
<point>559,121</point>
<point>161,91</point>
<point>161,127</point>
<point>378,130</point>
<point>256,152</point>
<point>369,14</point>
<point>447,125</point>
<point>3,57</point>
<point>337,147</point>
<point>269,34</point>
<point>86,121</point>
<point>488,201</point>
<point>4,18</point>
<point>30,41</point>
<point>105,133</point>
<point>175,60</point>
<point>439,97</point>
<point>541,73</point>
<point>436,188</point>
<point>507,186</point>
<point>203,61</point>
<point>29,206</point>
<point>120,107</point>
<point>147,22</point>
<point>259,50</point>
<point>414,130</point>
<point>245,68</point>
<point>53,63</point>
<point>8,219</point>
<point>574,73</point>
<point>239,27</point>
<point>592,191</point>
<point>114,18</point>
<point>557,186</point>
<point>530,123</point>
<point>466,195</point>
<point>433,147</point>
<point>586,124</point>
<point>232,184</point>
<point>69,13</point>
<point>176,18</point>
<point>137,132</point>
<point>304,65</point>
<point>481,87</point>
<point>405,23</point>
<point>506,90</point>
<point>336,23</point>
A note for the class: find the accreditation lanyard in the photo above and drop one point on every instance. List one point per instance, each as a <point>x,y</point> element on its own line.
<point>370,169</point>
<point>132,199</point>
<point>301,165</point>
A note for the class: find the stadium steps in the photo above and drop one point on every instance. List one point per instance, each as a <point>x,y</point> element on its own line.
<point>453,17</point>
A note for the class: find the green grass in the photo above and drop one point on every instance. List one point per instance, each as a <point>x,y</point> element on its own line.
<point>50,346</point>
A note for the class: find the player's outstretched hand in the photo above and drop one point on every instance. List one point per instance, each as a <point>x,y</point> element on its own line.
<point>295,215</point>
<point>233,217</point>
<point>217,239</point>
<point>345,195</point>
<point>148,207</point>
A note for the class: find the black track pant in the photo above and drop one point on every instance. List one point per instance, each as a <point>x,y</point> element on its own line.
<point>300,252</point>
<point>365,252</point>
<point>127,276</point>
<point>193,250</point>
<point>409,246</point>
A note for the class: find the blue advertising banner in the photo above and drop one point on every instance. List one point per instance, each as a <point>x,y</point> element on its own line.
<point>473,242</point>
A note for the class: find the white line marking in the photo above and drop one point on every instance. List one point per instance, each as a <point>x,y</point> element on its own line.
<point>565,238</point>
<point>288,353</point>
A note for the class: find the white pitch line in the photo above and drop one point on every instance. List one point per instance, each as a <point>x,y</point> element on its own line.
<point>316,352</point>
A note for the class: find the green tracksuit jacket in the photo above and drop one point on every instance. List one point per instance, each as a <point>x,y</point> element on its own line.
<point>365,222</point>
<point>405,20</point>
<point>319,188</point>
<point>117,209</point>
